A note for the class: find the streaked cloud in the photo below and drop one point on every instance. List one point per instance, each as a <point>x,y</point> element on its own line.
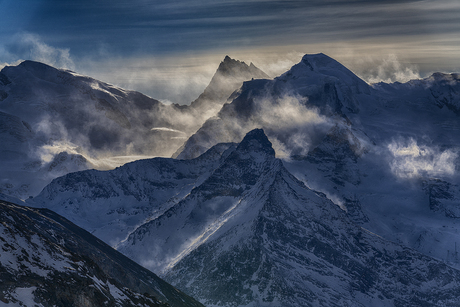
<point>106,38</point>
<point>412,160</point>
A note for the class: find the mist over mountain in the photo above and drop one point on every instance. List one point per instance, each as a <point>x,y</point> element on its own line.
<point>53,122</point>
<point>229,77</point>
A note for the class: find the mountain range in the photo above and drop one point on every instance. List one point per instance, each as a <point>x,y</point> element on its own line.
<point>55,121</point>
<point>310,189</point>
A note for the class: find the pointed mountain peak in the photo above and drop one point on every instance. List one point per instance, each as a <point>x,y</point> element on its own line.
<point>256,141</point>
<point>232,67</point>
<point>228,65</point>
<point>229,77</point>
<point>318,68</point>
<point>228,59</point>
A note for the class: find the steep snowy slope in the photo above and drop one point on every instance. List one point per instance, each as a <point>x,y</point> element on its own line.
<point>398,178</point>
<point>48,261</point>
<point>161,242</point>
<point>110,204</point>
<point>253,235</point>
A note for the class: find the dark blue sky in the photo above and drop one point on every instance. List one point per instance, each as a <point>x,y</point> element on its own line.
<point>132,43</point>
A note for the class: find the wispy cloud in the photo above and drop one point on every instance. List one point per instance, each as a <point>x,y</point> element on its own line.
<point>411,160</point>
<point>174,80</point>
<point>28,46</point>
<point>388,69</point>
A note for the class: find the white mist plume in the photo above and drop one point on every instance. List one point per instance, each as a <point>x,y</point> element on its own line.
<point>410,160</point>
<point>167,130</point>
<point>388,70</point>
<point>170,80</point>
<point>291,126</point>
<point>28,46</point>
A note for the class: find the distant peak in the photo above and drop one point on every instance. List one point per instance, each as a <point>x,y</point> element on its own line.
<point>319,60</point>
<point>232,67</point>
<point>256,141</point>
<point>229,65</point>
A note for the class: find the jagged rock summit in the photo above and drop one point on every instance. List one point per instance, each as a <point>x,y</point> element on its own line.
<point>256,141</point>
<point>229,77</point>
<point>256,233</point>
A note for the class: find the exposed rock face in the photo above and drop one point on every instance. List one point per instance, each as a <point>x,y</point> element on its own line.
<point>229,77</point>
<point>47,260</point>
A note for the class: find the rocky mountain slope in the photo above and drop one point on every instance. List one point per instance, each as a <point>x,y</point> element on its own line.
<point>48,261</point>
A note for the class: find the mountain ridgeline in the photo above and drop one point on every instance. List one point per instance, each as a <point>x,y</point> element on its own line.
<point>310,189</point>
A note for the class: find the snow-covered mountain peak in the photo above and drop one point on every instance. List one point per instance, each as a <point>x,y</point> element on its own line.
<point>319,69</point>
<point>320,61</point>
<point>256,141</point>
<point>35,70</point>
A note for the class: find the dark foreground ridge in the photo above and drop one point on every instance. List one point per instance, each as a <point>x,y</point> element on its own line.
<point>59,264</point>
